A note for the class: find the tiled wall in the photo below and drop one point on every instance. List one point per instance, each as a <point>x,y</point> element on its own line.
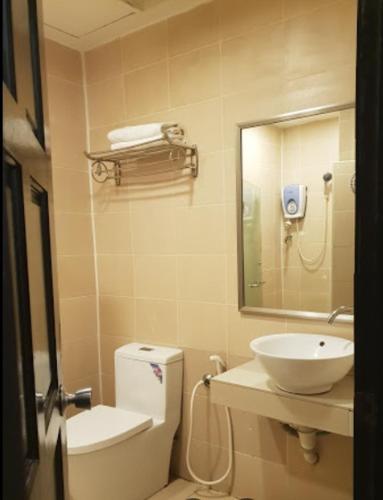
<point>166,253</point>
<point>344,213</point>
<point>309,151</point>
<point>73,224</point>
<point>261,168</point>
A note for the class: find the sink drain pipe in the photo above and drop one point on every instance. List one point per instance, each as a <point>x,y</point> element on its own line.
<point>220,366</point>
<point>307,439</point>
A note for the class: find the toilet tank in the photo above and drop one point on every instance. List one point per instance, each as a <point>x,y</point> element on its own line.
<point>149,380</point>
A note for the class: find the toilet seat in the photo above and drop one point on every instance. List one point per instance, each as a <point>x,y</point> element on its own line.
<point>103,426</point>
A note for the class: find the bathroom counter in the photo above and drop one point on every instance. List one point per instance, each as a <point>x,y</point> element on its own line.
<point>248,387</point>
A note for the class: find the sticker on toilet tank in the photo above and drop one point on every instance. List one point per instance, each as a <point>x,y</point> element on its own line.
<point>157,371</point>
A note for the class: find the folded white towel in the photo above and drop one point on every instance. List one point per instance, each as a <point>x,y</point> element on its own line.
<point>138,142</point>
<point>126,144</point>
<point>138,132</point>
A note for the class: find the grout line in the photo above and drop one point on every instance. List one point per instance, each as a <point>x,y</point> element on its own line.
<point>225,204</point>
<point>93,226</point>
<point>130,219</point>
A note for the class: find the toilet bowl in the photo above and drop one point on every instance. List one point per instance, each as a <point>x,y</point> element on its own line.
<point>123,452</point>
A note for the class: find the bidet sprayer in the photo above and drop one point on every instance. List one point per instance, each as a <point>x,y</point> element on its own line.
<point>220,366</point>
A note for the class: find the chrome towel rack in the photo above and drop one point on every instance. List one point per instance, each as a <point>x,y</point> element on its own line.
<point>149,159</point>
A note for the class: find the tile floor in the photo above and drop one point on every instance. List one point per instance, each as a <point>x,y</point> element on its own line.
<point>183,490</point>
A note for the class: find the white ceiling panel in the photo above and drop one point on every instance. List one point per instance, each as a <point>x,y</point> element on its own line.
<point>85,24</point>
<point>79,18</point>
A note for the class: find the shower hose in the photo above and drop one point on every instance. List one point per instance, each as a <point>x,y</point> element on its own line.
<point>229,437</point>
<point>316,261</point>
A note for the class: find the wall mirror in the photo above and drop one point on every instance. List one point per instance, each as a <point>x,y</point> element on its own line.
<point>296,210</point>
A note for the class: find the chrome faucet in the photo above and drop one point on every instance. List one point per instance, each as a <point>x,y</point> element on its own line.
<point>338,311</point>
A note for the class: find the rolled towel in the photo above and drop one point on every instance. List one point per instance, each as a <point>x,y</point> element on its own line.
<point>139,132</point>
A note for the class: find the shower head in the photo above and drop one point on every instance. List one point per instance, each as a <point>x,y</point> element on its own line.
<point>327,177</point>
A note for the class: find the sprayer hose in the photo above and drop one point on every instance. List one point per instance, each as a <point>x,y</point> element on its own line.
<point>229,437</point>
<point>315,261</point>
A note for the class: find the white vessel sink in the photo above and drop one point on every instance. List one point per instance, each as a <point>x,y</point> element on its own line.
<point>304,363</point>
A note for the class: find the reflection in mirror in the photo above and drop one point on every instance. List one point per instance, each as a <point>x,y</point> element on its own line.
<point>298,185</point>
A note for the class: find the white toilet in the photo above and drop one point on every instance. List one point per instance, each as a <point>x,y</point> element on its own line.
<point>123,453</point>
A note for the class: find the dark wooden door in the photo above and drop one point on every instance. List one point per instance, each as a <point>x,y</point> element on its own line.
<point>368,420</point>
<point>34,445</point>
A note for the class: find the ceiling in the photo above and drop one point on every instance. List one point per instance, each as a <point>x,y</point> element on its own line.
<point>85,24</point>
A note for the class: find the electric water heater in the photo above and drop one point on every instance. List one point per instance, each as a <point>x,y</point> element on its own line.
<point>294,201</point>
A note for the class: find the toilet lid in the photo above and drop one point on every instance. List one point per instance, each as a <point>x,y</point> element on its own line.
<point>103,426</point>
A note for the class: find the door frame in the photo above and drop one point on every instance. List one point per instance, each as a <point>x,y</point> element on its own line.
<point>368,412</point>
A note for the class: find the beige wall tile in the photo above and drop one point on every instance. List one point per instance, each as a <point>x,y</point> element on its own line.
<point>153,230</point>
<point>210,186</point>
<point>345,258</point>
<point>71,191</point>
<point>344,229</point>
<point>63,62</point>
<point>232,279</point>
<point>67,123</point>
<point>321,88</point>
<point>155,276</point>
<point>202,278</point>
<point>338,329</point>
<point>197,362</point>
<point>108,346</point>
<point>115,274</point>
<point>200,230</point>
<point>257,478</point>
<point>103,62</point>
<point>194,76</point>
<point>117,316</point>
<point>243,328</point>
<point>209,421</point>
<point>204,457</point>
<point>144,47</point>
<point>193,29</point>
<point>259,436</point>
<point>293,8</point>
<point>327,478</point>
<point>108,197</point>
<point>231,229</point>
<point>314,301</point>
<point>242,107</point>
<point>76,276</point>
<point>105,102</point>
<point>108,390</point>
<point>78,318</point>
<point>74,234</point>
<point>230,166</point>
<point>156,321</point>
<point>243,15</point>
<point>251,56</point>
<point>344,198</point>
<point>113,233</point>
<point>146,90</point>
<point>342,293</point>
<point>312,42</point>
<point>202,325</point>
<point>73,356</point>
<point>206,133</point>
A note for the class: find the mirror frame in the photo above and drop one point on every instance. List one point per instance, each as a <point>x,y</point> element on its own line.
<point>266,311</point>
